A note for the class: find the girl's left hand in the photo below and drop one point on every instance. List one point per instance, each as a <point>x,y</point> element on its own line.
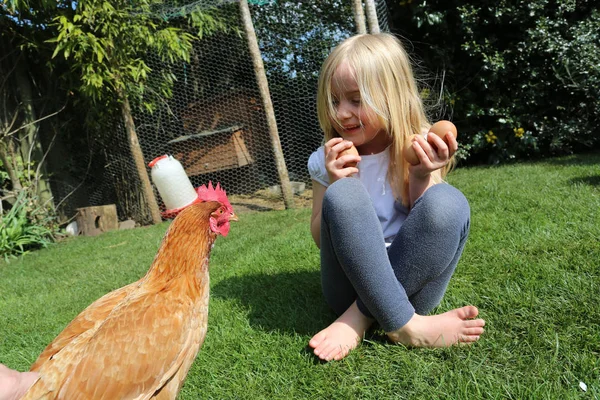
<point>433,153</point>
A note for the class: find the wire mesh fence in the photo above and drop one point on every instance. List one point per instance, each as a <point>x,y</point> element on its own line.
<point>215,123</point>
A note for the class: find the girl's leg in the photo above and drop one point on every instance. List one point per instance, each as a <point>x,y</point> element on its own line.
<point>354,259</point>
<point>426,251</point>
<point>354,265</point>
<point>424,256</point>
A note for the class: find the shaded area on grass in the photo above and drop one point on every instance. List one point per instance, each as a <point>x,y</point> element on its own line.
<point>289,302</point>
<point>573,160</point>
<point>586,180</point>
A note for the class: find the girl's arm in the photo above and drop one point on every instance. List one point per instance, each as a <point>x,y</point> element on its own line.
<point>417,185</point>
<point>433,155</point>
<point>336,170</point>
<point>317,205</point>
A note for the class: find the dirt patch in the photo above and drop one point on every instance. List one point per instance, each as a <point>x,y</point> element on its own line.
<point>264,200</point>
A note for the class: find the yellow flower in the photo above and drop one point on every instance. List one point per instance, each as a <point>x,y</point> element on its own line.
<point>490,137</point>
<point>519,132</point>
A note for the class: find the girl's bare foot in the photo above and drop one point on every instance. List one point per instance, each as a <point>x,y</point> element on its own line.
<point>14,384</point>
<point>343,335</point>
<point>443,330</point>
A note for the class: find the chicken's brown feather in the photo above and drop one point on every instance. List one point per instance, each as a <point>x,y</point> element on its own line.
<point>149,358</point>
<point>152,335</point>
<point>95,312</point>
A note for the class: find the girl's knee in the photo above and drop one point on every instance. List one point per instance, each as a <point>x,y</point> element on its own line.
<point>443,203</point>
<point>345,195</point>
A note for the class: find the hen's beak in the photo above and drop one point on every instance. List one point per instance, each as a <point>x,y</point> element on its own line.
<point>233,217</point>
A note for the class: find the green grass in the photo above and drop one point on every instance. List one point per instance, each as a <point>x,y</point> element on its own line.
<point>531,265</point>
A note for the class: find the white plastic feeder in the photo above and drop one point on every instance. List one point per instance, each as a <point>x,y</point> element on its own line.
<point>172,182</point>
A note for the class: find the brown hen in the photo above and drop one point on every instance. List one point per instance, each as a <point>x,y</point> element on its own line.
<point>139,341</point>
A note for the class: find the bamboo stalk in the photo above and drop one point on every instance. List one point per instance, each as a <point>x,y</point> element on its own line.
<point>359,16</point>
<point>372,16</point>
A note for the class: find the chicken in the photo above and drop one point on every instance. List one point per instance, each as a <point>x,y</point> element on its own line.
<point>139,341</point>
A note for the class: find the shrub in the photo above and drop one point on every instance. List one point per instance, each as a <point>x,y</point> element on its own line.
<point>26,226</point>
<point>521,79</point>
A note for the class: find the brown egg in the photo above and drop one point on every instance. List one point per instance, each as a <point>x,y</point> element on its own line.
<point>352,151</point>
<point>409,153</point>
<point>440,128</point>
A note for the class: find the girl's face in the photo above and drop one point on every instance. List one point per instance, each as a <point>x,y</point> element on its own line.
<point>354,120</point>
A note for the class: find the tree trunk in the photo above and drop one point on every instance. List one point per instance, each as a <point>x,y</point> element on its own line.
<point>8,115</point>
<point>359,16</point>
<point>7,156</point>
<point>263,85</point>
<point>32,152</point>
<point>138,158</point>
<point>372,16</point>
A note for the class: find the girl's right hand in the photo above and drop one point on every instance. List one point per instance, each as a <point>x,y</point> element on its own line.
<point>333,165</point>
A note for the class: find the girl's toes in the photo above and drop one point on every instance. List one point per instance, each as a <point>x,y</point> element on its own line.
<point>469,338</point>
<point>317,339</point>
<point>474,331</point>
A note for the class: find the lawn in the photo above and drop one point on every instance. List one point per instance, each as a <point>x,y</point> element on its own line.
<point>531,265</point>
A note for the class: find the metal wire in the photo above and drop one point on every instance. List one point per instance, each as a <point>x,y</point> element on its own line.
<point>215,123</point>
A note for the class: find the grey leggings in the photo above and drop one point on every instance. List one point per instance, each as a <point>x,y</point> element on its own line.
<point>411,275</point>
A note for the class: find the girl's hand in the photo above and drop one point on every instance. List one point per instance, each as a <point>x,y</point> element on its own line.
<point>434,153</point>
<point>333,165</point>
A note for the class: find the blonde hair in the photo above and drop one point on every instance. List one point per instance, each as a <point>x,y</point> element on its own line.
<point>387,85</point>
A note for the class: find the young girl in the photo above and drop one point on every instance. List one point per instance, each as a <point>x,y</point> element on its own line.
<point>390,233</point>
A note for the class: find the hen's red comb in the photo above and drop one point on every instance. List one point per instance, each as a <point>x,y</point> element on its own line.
<point>210,193</point>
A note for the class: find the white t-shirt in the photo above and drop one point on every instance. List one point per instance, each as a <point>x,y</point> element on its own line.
<point>373,175</point>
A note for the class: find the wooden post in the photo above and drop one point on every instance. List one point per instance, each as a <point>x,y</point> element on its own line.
<point>359,16</point>
<point>138,158</point>
<point>263,85</point>
<point>372,16</point>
